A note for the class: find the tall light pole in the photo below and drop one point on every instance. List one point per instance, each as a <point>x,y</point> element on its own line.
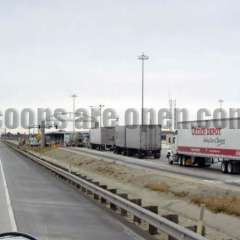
<point>220,103</point>
<point>142,57</point>
<point>74,96</point>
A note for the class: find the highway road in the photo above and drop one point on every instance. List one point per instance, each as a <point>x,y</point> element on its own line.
<point>208,175</point>
<point>32,200</point>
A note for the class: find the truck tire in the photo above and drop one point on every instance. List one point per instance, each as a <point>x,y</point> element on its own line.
<point>170,161</point>
<point>231,168</point>
<point>127,153</point>
<point>181,161</point>
<point>140,155</point>
<point>184,161</point>
<point>117,150</point>
<point>224,167</point>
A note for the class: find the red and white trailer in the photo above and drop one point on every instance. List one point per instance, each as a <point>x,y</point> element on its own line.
<point>204,142</point>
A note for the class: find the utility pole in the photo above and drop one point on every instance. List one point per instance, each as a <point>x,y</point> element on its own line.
<point>142,57</point>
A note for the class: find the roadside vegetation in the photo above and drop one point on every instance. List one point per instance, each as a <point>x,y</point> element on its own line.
<point>216,200</point>
<point>217,204</point>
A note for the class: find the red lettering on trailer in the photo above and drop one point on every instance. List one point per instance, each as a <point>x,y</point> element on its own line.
<point>206,131</point>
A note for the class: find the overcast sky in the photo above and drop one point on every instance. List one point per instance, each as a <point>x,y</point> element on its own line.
<point>53,48</point>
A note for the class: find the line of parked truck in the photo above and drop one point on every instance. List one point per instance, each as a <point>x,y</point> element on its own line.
<point>197,143</point>
<point>134,140</point>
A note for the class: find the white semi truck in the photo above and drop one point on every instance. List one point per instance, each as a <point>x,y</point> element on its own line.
<point>204,142</point>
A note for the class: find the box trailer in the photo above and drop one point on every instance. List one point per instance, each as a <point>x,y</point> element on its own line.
<point>120,138</point>
<point>203,143</point>
<point>140,140</point>
<point>79,139</point>
<point>102,138</point>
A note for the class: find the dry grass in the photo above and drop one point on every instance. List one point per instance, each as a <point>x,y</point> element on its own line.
<point>227,204</point>
<point>215,202</point>
<point>158,187</point>
<point>39,149</point>
<point>165,188</point>
<point>182,194</point>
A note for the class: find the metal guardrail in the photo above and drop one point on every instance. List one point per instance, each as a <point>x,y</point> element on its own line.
<point>161,223</point>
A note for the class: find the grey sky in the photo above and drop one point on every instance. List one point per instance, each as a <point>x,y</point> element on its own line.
<point>53,48</point>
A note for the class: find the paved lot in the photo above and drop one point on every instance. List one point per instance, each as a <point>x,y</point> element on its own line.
<point>50,209</point>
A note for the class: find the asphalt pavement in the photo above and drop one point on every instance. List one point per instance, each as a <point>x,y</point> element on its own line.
<point>48,208</point>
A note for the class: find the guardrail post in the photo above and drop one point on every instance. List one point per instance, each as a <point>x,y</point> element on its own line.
<point>89,192</point>
<point>84,189</point>
<point>123,211</point>
<point>113,206</point>
<point>103,200</point>
<point>96,183</point>
<point>137,201</point>
<point>192,228</point>
<point>200,225</point>
<point>113,190</point>
<point>95,196</point>
<point>173,218</point>
<point>151,229</point>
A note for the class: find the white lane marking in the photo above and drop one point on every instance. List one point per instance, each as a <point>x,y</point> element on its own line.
<point>9,205</point>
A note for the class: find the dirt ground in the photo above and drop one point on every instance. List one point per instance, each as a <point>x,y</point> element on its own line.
<point>171,194</point>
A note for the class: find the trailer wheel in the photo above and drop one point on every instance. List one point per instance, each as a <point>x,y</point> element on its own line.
<point>117,150</point>
<point>181,160</point>
<point>129,153</point>
<point>224,167</point>
<point>170,161</point>
<point>140,155</point>
<point>230,168</point>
